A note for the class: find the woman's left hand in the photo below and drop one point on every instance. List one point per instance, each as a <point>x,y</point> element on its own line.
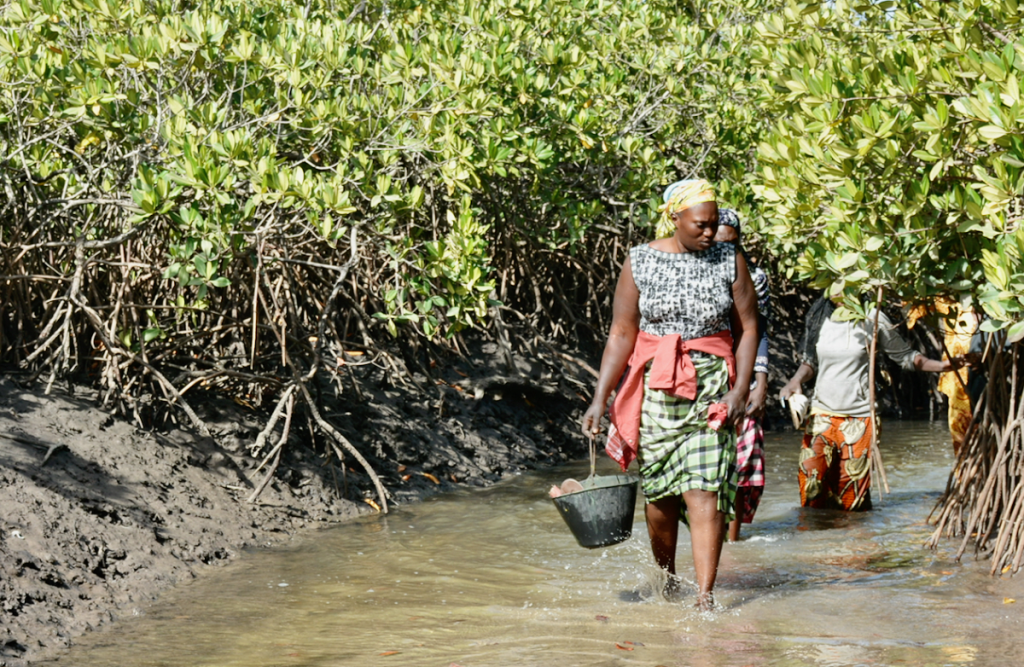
<point>758,398</point>
<point>736,400</point>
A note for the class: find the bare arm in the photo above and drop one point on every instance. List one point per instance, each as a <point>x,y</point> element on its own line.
<point>621,341</point>
<point>745,335</point>
<point>923,363</point>
<point>897,349</point>
<point>795,384</point>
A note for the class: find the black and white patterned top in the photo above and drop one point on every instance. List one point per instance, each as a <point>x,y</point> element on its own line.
<point>764,314</point>
<point>687,293</point>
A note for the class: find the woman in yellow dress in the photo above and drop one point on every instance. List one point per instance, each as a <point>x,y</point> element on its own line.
<point>957,327</point>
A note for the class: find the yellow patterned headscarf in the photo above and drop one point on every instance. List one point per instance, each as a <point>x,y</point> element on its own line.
<point>680,196</point>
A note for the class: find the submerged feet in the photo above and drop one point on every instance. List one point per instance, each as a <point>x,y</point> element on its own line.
<point>673,589</point>
<point>676,590</point>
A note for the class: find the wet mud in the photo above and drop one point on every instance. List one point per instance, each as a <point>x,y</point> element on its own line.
<point>99,517</point>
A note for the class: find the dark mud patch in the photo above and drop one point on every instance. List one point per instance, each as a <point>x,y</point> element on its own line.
<point>99,516</point>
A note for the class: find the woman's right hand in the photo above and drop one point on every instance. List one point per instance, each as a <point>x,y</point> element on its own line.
<point>591,422</point>
<point>958,362</point>
<point>792,387</point>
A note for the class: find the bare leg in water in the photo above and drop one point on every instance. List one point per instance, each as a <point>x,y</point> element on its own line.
<point>663,528</point>
<point>707,530</point>
<point>734,525</point>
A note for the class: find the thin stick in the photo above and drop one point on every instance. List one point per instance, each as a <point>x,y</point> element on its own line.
<point>333,433</point>
<point>261,439</point>
<point>876,454</point>
<point>269,476</point>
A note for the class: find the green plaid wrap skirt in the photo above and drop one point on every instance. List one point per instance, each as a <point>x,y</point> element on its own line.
<point>678,452</point>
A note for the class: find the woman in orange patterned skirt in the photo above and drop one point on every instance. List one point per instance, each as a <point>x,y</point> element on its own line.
<point>835,463</point>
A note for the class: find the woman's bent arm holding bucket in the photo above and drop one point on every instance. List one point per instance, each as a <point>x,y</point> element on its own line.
<point>621,340</point>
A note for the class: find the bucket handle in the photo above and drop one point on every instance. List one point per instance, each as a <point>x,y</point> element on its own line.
<point>593,456</point>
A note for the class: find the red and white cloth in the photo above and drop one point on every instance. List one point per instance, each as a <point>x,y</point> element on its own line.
<point>750,468</point>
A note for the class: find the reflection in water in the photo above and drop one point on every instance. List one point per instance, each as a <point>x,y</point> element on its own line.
<point>481,578</point>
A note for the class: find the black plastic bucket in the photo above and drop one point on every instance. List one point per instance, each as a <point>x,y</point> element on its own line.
<point>602,513</point>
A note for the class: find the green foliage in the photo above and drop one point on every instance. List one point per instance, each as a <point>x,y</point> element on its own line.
<point>453,135</point>
<point>898,156</point>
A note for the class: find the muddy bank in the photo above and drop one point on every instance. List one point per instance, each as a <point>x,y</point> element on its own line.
<point>99,516</point>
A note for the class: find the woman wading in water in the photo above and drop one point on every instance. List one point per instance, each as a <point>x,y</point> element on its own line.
<point>750,446</point>
<point>683,391</point>
<point>835,461</point>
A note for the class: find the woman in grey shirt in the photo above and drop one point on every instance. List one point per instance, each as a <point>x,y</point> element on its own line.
<point>835,463</point>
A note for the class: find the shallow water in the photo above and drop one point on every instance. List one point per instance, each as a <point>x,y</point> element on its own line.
<point>493,577</point>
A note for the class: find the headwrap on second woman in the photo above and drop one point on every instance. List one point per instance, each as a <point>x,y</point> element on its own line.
<point>727,217</point>
<point>680,196</point>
